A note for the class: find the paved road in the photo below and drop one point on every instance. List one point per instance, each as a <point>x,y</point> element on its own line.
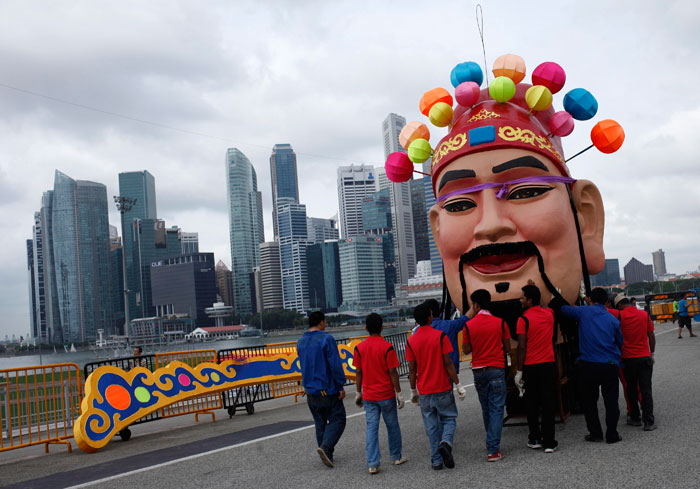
<point>276,447</point>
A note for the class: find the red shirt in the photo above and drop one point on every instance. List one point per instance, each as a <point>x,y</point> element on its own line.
<point>614,312</point>
<point>635,325</point>
<point>374,357</point>
<point>539,334</point>
<point>426,347</point>
<point>486,333</point>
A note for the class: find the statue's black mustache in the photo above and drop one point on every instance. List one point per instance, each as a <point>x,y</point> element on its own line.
<point>520,247</point>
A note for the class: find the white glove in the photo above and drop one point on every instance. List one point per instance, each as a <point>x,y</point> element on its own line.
<point>414,396</point>
<point>358,399</point>
<point>461,391</point>
<point>519,382</point>
<point>399,400</point>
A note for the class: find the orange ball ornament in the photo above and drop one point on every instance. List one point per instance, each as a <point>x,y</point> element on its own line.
<point>607,135</point>
<point>412,131</point>
<point>511,66</point>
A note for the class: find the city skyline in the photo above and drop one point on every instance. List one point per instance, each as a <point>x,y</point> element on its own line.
<point>218,81</point>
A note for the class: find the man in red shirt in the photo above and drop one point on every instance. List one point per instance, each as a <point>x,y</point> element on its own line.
<point>379,390</point>
<point>536,368</point>
<point>430,370</point>
<point>637,361</point>
<point>487,338</point>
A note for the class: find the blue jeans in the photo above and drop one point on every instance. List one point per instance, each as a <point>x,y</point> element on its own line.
<point>491,387</point>
<point>329,417</point>
<point>440,419</point>
<point>388,410</point>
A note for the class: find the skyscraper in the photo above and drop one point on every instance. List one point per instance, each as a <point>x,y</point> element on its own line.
<point>224,283</point>
<point>34,329</point>
<point>362,272</point>
<point>271,275</point>
<point>354,184</point>
<point>189,242</point>
<point>401,208</point>
<point>323,262</point>
<point>141,186</point>
<point>421,229</point>
<point>81,253</point>
<point>659,259</point>
<point>244,225</point>
<point>636,271</point>
<point>283,172</point>
<point>376,221</point>
<point>435,259</point>
<point>291,219</point>
<point>610,274</point>
<point>319,230</point>
<point>51,299</point>
<point>38,287</point>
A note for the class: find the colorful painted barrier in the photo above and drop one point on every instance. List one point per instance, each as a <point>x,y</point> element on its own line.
<point>115,398</point>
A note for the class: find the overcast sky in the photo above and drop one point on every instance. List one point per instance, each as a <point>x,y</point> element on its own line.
<point>322,76</point>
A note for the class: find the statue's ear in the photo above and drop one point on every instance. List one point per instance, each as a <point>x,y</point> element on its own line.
<point>591,217</point>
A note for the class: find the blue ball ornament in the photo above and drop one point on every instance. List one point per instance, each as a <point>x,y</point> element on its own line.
<point>464,72</point>
<point>581,104</point>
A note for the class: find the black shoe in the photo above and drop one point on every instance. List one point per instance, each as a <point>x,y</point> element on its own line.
<point>534,444</point>
<point>613,440</point>
<point>592,438</point>
<point>446,451</point>
<point>650,427</point>
<point>632,421</point>
<point>437,467</point>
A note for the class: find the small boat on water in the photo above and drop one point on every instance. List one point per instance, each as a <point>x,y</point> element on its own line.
<point>72,348</point>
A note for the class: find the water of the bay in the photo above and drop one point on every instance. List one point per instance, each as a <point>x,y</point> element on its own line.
<point>93,355</point>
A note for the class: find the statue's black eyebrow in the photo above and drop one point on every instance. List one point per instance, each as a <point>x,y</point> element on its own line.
<point>455,175</point>
<point>523,161</point>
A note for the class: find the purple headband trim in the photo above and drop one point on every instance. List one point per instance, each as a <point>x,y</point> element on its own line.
<point>504,186</point>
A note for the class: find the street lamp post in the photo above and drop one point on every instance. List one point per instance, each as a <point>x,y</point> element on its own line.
<point>125,204</point>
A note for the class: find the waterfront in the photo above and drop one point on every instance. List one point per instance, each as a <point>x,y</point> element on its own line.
<point>86,356</point>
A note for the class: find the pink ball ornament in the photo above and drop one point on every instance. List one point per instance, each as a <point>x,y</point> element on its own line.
<point>549,74</point>
<point>561,123</point>
<point>467,93</point>
<point>399,167</point>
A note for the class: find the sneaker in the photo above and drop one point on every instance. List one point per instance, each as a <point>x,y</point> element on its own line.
<point>534,444</point>
<point>592,438</point>
<point>613,440</point>
<point>632,421</point>
<point>650,427</point>
<point>693,335</point>
<point>494,457</point>
<point>552,448</point>
<point>373,470</point>
<point>437,467</point>
<point>324,457</point>
<point>680,337</point>
<point>446,452</point>
<point>400,461</point>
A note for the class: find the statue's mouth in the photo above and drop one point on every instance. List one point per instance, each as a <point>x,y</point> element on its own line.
<point>499,257</point>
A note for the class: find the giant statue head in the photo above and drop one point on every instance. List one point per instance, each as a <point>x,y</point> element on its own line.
<point>507,208</point>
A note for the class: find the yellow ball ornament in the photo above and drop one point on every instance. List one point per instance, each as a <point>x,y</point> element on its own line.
<point>441,114</point>
<point>538,98</point>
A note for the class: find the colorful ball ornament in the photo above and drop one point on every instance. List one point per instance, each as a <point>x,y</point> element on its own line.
<point>464,72</point>
<point>412,131</point>
<point>607,135</point>
<point>581,104</point>
<point>538,98</point>
<point>511,66</point>
<point>467,93</point>
<point>502,89</point>
<point>398,167</point>
<point>561,123</point>
<point>431,97</point>
<point>419,151</point>
<point>549,74</point>
<point>441,114</point>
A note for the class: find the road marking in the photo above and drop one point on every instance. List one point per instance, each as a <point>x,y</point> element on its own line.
<point>198,455</point>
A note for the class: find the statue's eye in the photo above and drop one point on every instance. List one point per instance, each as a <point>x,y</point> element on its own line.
<point>527,192</point>
<point>459,205</point>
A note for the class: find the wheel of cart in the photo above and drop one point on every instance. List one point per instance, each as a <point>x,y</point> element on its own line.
<point>249,407</point>
<point>231,411</point>
<point>125,434</point>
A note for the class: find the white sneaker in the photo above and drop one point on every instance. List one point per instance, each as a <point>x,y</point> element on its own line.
<point>373,470</point>
<point>550,450</point>
<point>400,461</point>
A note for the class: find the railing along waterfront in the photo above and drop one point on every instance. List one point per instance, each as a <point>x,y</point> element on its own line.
<point>39,404</point>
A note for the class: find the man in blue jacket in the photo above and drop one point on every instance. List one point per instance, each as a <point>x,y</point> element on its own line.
<point>600,341</point>
<point>451,327</point>
<point>322,377</point>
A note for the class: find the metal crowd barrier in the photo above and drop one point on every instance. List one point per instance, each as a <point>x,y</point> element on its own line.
<point>39,405</point>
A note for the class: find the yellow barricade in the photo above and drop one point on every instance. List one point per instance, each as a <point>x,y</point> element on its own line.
<point>39,404</point>
<point>205,404</point>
